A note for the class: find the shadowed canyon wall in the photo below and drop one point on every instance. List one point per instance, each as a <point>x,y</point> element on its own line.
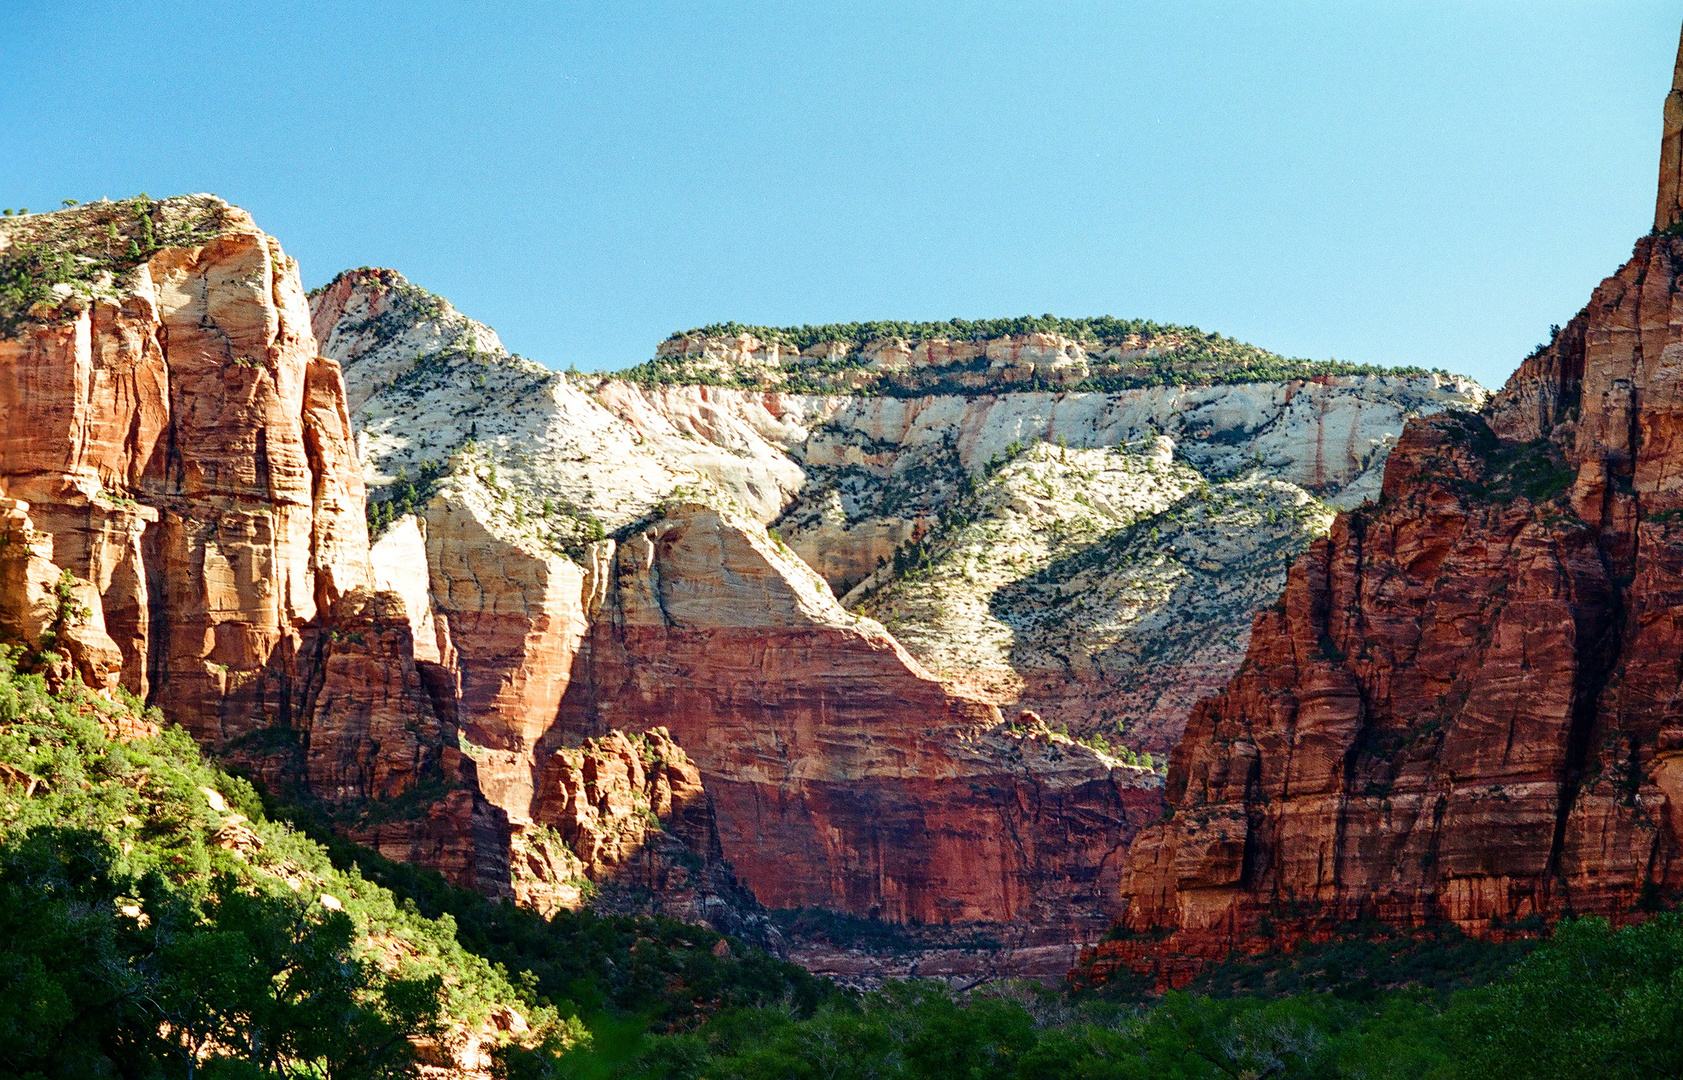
<point>1467,705</point>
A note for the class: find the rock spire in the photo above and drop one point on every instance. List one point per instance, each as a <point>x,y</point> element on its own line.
<point>1668,209</point>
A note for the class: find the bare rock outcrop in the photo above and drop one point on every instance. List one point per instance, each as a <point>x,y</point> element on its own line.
<point>1465,707</point>
<point>188,455</point>
<point>176,437</point>
<point>841,774</point>
<point>1668,207</point>
<point>183,507</point>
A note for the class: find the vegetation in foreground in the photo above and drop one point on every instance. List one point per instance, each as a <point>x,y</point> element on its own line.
<point>147,931</point>
<point>154,922</point>
<point>1590,1002</point>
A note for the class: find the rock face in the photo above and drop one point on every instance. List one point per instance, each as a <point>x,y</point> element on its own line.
<point>1099,586</point>
<point>191,460</point>
<point>1668,207</point>
<point>973,566</point>
<point>840,770</point>
<point>184,511</point>
<point>856,482</point>
<point>841,774</point>
<point>1465,707</point>
<point>584,667</point>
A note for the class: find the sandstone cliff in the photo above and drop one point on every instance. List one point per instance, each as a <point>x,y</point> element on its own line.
<point>599,543</point>
<point>183,515</point>
<point>829,768</point>
<point>965,357</point>
<point>856,482</point>
<point>1465,706</point>
<point>1100,588</point>
<point>841,773</point>
<point>184,512</point>
<point>584,668</point>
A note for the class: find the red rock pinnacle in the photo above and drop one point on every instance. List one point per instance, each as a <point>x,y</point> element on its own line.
<point>1669,208</point>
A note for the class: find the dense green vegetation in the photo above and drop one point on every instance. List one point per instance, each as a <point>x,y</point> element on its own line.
<point>144,931</point>
<point>1591,1002</point>
<point>155,922</point>
<point>655,972</point>
<point>1159,355</point>
<point>73,247</point>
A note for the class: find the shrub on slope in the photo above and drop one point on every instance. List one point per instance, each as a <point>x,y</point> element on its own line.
<point>153,923</point>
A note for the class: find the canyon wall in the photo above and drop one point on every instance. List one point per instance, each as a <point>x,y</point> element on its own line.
<point>597,562</point>
<point>843,775</point>
<point>184,510</point>
<point>857,483</point>
<point>582,665</point>
<point>832,769</point>
<point>1465,708</point>
<point>184,519</point>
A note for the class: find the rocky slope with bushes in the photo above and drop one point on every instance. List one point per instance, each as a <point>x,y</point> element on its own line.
<point>154,916</point>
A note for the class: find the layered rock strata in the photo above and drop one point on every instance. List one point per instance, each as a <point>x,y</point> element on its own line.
<point>818,760</point>
<point>1096,584</point>
<point>855,482</point>
<point>839,772</point>
<point>184,511</point>
<point>1465,707</point>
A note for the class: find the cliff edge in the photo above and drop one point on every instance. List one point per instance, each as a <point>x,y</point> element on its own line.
<point>1465,707</point>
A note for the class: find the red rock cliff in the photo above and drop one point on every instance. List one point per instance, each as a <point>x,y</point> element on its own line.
<point>184,517</point>
<point>841,773</point>
<point>183,513</point>
<point>836,771</point>
<point>1467,705</point>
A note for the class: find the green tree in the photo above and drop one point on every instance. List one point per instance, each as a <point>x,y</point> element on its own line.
<point>1591,1002</point>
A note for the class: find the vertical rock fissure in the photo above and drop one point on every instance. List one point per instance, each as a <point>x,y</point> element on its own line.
<point>1364,717</point>
<point>1597,656</point>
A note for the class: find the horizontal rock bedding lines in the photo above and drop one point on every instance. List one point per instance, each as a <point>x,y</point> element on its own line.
<point>1464,707</point>
<point>587,579</point>
<point>845,481</point>
<point>892,802</point>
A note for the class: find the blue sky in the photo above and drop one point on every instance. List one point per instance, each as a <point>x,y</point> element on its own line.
<point>1429,183</point>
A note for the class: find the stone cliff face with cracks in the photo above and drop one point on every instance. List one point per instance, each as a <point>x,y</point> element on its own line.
<point>1466,706</point>
<point>596,561</point>
<point>581,668</point>
<point>183,516</point>
<point>799,744</point>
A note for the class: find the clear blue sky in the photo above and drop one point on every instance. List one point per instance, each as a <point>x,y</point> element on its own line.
<point>1429,183</point>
